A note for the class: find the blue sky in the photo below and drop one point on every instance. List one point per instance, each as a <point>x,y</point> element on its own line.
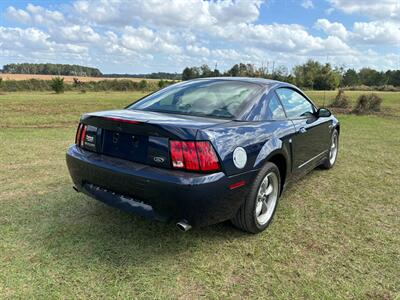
<point>141,36</point>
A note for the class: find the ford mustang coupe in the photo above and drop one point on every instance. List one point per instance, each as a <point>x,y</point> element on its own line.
<point>204,151</point>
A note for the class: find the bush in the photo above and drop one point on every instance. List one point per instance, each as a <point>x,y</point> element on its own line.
<point>57,84</point>
<point>161,84</point>
<point>341,100</point>
<point>368,104</point>
<point>142,85</point>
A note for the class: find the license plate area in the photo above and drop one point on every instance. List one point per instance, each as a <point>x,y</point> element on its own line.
<point>126,146</point>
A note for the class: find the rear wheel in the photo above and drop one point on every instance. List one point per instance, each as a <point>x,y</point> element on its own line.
<point>259,208</point>
<point>333,151</point>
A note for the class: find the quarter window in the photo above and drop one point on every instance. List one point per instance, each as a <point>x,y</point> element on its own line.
<point>275,110</point>
<point>296,106</point>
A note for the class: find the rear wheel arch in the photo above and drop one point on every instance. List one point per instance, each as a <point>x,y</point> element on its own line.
<point>280,160</point>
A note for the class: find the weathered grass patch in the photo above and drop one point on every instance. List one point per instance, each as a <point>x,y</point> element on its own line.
<point>336,233</point>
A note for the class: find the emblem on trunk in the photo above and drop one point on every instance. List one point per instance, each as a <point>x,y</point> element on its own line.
<point>158,159</point>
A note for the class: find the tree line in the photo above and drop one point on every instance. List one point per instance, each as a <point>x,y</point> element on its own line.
<point>51,69</point>
<point>310,75</point>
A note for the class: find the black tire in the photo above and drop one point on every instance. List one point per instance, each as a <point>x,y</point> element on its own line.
<point>245,218</point>
<point>328,163</point>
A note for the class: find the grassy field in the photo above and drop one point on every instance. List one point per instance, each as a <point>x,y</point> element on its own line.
<point>391,100</point>
<point>336,233</point>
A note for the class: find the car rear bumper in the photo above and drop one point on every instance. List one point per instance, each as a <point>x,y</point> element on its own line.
<point>162,194</point>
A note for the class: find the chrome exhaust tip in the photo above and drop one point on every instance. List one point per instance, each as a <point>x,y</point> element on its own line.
<point>183,226</point>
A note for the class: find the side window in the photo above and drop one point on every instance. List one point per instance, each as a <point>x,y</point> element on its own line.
<point>275,110</point>
<point>296,106</point>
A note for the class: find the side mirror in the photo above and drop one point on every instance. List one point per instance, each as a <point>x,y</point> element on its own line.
<point>323,113</point>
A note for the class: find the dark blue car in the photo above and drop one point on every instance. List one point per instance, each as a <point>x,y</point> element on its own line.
<point>204,151</point>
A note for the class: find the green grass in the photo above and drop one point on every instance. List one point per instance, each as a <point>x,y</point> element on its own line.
<point>336,233</point>
<point>390,105</point>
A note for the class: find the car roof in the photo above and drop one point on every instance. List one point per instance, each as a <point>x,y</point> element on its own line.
<point>256,80</point>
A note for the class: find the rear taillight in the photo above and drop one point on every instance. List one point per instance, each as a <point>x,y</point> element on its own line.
<point>193,156</point>
<point>80,135</point>
<point>207,157</point>
<point>83,136</point>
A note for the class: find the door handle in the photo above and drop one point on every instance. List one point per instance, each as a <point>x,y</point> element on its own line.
<point>302,130</point>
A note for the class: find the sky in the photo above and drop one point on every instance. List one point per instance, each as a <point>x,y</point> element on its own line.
<point>144,36</point>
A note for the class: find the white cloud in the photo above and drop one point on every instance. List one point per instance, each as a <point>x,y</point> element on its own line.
<point>76,33</point>
<point>30,38</point>
<point>381,9</point>
<point>35,15</point>
<point>307,4</point>
<point>197,51</point>
<point>187,13</point>
<point>235,11</point>
<point>375,33</point>
<point>16,41</point>
<point>336,29</point>
<point>18,15</point>
<point>143,39</point>
<point>280,38</point>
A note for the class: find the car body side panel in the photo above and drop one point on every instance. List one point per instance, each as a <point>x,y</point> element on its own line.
<point>310,141</point>
<point>258,139</point>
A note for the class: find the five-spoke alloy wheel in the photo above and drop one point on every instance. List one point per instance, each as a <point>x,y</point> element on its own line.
<point>333,150</point>
<point>267,197</point>
<point>259,207</point>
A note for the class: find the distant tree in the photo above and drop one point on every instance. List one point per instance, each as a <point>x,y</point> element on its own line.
<point>57,84</point>
<point>51,69</point>
<point>326,78</point>
<point>280,73</point>
<point>190,73</point>
<point>306,73</point>
<point>310,75</point>
<point>205,71</point>
<point>371,77</point>
<point>240,70</point>
<point>350,78</point>
<point>393,77</point>
<point>314,75</point>
<point>216,73</point>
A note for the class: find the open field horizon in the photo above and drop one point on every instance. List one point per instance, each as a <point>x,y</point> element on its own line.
<point>67,78</point>
<point>336,233</point>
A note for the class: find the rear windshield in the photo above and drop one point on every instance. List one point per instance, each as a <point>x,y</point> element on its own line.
<point>214,98</point>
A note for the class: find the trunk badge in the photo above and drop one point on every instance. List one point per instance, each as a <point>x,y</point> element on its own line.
<point>158,159</point>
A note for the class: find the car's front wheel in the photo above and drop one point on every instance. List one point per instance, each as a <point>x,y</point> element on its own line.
<point>333,151</point>
<point>259,207</point>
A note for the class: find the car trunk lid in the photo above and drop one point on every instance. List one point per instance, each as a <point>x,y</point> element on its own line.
<point>140,136</point>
